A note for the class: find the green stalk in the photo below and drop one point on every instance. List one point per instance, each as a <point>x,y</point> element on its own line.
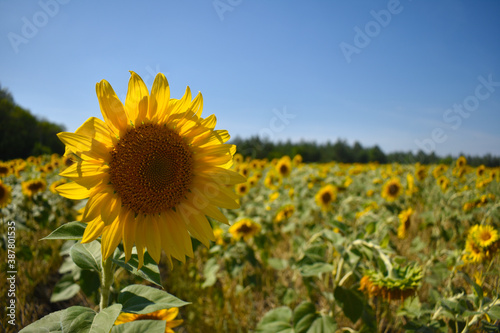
<point>106,281</point>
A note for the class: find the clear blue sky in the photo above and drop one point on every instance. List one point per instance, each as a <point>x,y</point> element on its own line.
<point>380,72</point>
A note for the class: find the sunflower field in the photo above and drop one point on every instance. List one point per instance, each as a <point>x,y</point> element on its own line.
<point>312,248</point>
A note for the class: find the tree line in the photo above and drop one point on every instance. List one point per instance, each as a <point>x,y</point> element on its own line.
<point>23,134</point>
<point>342,151</point>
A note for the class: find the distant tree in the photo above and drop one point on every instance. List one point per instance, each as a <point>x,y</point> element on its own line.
<point>341,151</point>
<point>22,134</point>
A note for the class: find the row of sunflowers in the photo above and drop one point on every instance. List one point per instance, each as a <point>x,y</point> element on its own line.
<point>312,248</point>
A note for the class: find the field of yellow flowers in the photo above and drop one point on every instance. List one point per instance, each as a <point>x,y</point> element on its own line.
<point>313,248</point>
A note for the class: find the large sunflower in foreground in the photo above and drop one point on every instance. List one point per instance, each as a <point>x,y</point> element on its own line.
<point>152,171</point>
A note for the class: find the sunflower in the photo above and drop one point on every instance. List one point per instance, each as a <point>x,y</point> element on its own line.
<point>284,213</point>
<point>421,172</point>
<point>325,196</point>
<point>4,169</point>
<point>152,171</point>
<point>34,186</point>
<point>485,235</point>
<point>238,158</point>
<point>244,228</point>
<point>5,194</point>
<point>439,170</point>
<point>297,159</point>
<point>392,189</point>
<point>461,162</point>
<point>167,315</point>
<point>443,182</point>
<point>272,180</point>
<point>404,222</point>
<point>67,161</point>
<point>242,188</point>
<point>284,166</point>
<point>480,170</point>
<point>473,252</point>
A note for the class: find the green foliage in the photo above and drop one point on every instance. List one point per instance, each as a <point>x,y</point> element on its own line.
<point>22,134</point>
<point>341,151</point>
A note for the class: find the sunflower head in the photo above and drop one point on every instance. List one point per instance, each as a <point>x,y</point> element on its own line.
<point>421,172</point>
<point>461,162</point>
<point>167,315</point>
<point>480,170</point>
<point>485,235</point>
<point>34,186</point>
<point>443,182</point>
<point>404,222</point>
<point>152,171</point>
<point>4,169</point>
<point>325,196</point>
<point>297,159</point>
<point>245,228</point>
<point>284,166</point>
<point>5,194</point>
<point>242,188</point>
<point>392,189</point>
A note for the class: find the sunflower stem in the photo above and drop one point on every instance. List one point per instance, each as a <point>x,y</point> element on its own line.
<point>106,281</point>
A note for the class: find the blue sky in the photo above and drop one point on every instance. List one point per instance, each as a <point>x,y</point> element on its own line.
<point>405,75</point>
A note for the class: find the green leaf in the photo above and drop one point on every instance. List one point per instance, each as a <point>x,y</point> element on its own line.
<point>323,324</point>
<point>494,312</point>
<point>143,299</point>
<point>105,319</point>
<point>316,269</point>
<point>210,272</point>
<point>87,256</point>
<point>150,326</point>
<point>282,314</point>
<point>350,302</point>
<point>302,310</point>
<point>77,319</point>
<point>64,289</point>
<point>72,230</point>
<point>149,271</point>
<point>305,323</point>
<point>276,327</point>
<point>89,282</point>
<point>51,323</point>
<point>277,263</point>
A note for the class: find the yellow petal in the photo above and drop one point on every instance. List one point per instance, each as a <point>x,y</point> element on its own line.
<point>84,146</point>
<point>209,121</point>
<point>216,137</point>
<point>217,195</point>
<point>136,102</point>
<point>181,238</point>
<point>153,241</point>
<point>221,176</point>
<point>93,230</point>
<point>96,129</point>
<point>167,239</point>
<point>73,191</point>
<point>111,237</point>
<point>111,108</point>
<point>140,238</point>
<point>111,208</point>
<point>176,107</point>
<point>215,213</point>
<point>197,224</point>
<point>129,228</point>
<point>196,106</point>
<point>160,96</point>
